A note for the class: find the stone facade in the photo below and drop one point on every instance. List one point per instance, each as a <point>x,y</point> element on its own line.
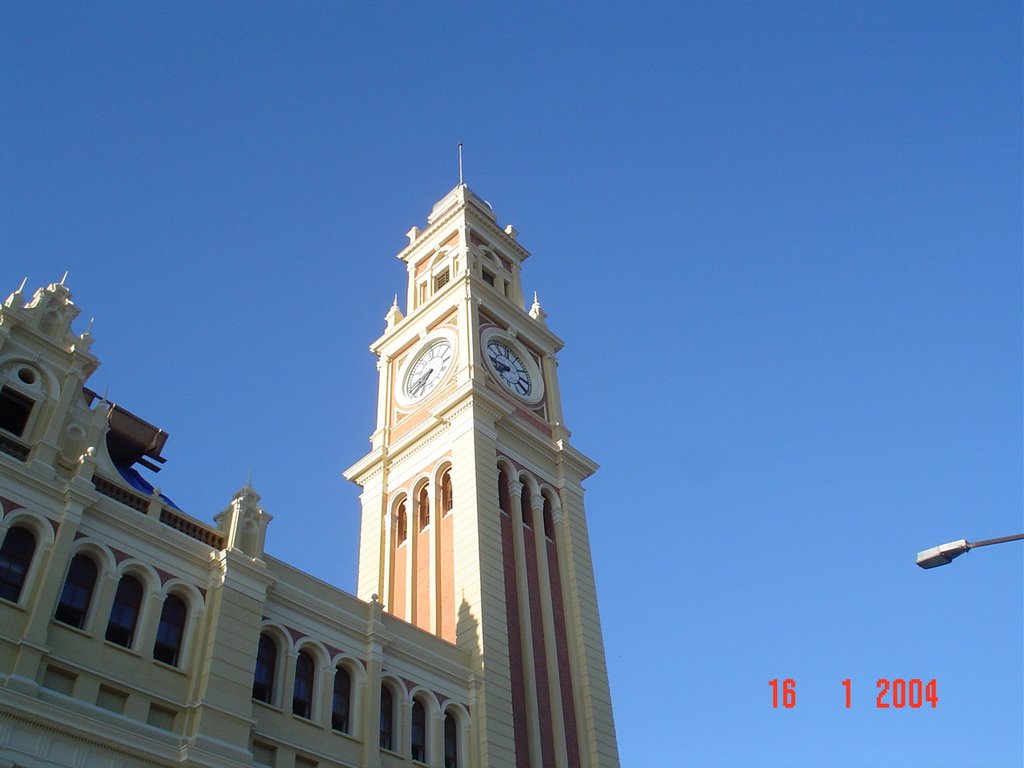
<point>132,634</point>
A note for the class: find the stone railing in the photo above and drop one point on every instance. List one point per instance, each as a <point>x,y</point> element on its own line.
<point>169,517</point>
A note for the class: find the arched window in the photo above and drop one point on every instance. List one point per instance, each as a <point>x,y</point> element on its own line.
<point>401,524</point>
<point>302,694</point>
<point>526,504</point>
<point>446,492</point>
<point>266,668</point>
<point>451,742</point>
<point>387,717</point>
<point>423,508</point>
<point>171,631</point>
<point>549,518</point>
<point>419,731</point>
<point>77,592</point>
<point>124,613</point>
<point>341,701</point>
<point>504,503</point>
<point>15,558</point>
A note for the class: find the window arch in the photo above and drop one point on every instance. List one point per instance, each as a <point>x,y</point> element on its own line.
<point>451,741</point>
<point>266,669</point>
<point>76,595</point>
<point>423,508</point>
<point>302,692</point>
<point>446,500</point>
<point>124,613</point>
<point>387,717</point>
<point>401,524</point>
<point>341,699</point>
<point>504,502</point>
<point>418,734</point>
<point>170,632</point>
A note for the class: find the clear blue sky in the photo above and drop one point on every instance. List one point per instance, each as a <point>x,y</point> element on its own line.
<point>781,240</point>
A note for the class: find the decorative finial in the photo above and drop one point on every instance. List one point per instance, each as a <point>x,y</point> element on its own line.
<point>64,278</point>
<point>536,311</point>
<point>394,301</point>
<point>460,163</point>
<point>248,477</point>
<point>22,286</point>
<point>89,328</point>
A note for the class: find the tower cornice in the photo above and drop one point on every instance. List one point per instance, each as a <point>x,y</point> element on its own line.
<point>469,205</point>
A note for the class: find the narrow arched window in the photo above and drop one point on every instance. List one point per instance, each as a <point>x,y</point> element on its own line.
<point>446,492</point>
<point>549,518</point>
<point>419,731</point>
<point>302,694</point>
<point>171,631</point>
<point>451,742</point>
<point>124,613</point>
<point>387,718</point>
<point>15,557</point>
<point>77,592</point>
<point>423,508</point>
<point>266,668</point>
<point>341,701</point>
<point>401,524</point>
<point>504,503</point>
<point>526,505</point>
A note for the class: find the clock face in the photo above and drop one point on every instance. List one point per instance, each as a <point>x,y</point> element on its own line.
<point>510,368</point>
<point>427,369</point>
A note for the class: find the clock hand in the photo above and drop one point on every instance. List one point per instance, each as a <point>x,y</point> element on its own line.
<point>421,381</point>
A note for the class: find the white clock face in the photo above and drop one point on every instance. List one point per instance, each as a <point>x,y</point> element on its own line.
<point>427,369</point>
<point>510,368</point>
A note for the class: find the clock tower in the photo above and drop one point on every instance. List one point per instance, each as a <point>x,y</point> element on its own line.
<point>473,524</point>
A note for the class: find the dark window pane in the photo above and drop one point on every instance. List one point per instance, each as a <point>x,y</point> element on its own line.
<point>503,500</point>
<point>14,410</point>
<point>549,519</point>
<point>423,508</point>
<point>124,613</point>
<point>401,525</point>
<point>77,592</point>
<point>419,732</point>
<point>266,664</point>
<point>15,558</point>
<point>526,505</point>
<point>302,695</point>
<point>171,631</point>
<point>451,742</point>
<point>341,700</point>
<point>387,717</point>
<point>446,492</point>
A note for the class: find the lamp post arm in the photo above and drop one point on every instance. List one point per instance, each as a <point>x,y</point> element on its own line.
<point>1000,540</point>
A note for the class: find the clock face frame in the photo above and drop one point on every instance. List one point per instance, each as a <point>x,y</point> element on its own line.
<point>513,367</point>
<point>426,369</point>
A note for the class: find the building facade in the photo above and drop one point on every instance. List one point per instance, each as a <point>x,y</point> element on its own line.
<point>132,634</point>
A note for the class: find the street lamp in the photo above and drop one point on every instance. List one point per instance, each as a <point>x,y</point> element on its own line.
<point>944,553</point>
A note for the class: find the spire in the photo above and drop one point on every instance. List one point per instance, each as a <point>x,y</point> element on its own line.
<point>536,311</point>
<point>394,315</point>
<point>17,299</point>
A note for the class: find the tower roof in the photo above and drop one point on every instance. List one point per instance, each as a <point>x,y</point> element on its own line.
<point>460,195</point>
